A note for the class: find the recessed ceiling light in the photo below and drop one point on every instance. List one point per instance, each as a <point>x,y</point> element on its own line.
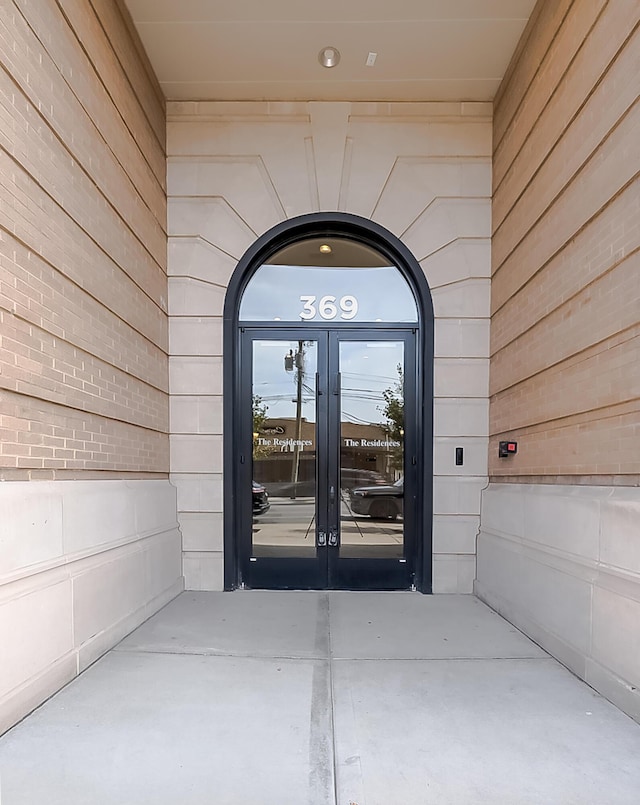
<point>325,249</point>
<point>329,57</point>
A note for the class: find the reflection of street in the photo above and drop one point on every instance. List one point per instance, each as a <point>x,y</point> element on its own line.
<point>291,523</point>
<point>288,522</point>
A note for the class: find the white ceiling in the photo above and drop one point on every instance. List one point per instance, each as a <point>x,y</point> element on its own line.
<point>448,50</point>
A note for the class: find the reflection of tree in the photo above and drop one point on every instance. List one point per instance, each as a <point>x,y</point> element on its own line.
<point>393,411</point>
<point>259,410</point>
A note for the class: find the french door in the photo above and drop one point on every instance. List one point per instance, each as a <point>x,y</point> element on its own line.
<point>327,461</point>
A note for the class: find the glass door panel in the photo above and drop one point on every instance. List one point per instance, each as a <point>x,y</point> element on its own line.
<point>372,452</point>
<point>325,430</point>
<point>285,438</point>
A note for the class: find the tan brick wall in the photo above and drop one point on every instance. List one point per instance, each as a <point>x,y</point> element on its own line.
<point>565,328</point>
<point>83,284</point>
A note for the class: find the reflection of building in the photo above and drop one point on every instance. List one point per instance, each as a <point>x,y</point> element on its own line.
<point>362,447</point>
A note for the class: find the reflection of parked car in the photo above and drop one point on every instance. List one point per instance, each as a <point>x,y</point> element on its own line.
<point>379,502</point>
<point>351,477</point>
<point>260,498</point>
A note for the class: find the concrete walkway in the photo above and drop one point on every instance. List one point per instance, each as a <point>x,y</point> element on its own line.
<point>267,698</point>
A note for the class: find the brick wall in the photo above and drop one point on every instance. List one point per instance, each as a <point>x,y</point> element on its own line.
<point>83,345</point>
<point>557,550</point>
<point>565,329</point>
<point>83,286</point>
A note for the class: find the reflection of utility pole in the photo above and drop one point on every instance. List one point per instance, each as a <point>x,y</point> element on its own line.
<point>296,361</point>
<point>299,362</point>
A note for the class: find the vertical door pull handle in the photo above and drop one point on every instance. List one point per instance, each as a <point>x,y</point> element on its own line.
<point>332,495</point>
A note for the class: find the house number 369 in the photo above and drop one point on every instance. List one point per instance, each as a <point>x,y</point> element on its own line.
<point>328,307</point>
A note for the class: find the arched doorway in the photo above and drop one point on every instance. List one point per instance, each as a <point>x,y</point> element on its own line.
<point>328,345</point>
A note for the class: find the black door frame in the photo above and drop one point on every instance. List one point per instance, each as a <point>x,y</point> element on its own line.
<point>369,233</point>
<point>339,571</point>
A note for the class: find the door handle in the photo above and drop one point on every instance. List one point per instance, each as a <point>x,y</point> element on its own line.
<point>321,540</point>
<point>333,538</point>
<point>332,495</point>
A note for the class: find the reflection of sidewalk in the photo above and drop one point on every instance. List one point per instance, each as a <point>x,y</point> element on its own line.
<point>291,501</point>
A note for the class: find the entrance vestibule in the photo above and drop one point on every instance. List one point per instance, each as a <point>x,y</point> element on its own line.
<point>329,431</point>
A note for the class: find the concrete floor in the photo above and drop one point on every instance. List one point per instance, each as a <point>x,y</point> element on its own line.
<point>271,698</point>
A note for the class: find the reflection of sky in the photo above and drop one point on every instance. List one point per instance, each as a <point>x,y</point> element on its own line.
<point>274,292</point>
<point>278,388</point>
<point>367,369</point>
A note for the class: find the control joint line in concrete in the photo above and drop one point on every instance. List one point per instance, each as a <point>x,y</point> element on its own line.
<point>439,659</point>
<point>334,748</point>
<point>205,652</point>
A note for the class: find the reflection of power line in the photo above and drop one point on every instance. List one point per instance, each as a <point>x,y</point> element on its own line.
<point>367,398</point>
<point>281,397</point>
<point>356,420</point>
<point>370,377</point>
<point>382,380</point>
<point>269,383</point>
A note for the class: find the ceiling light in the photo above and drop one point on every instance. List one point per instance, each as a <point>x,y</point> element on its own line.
<point>329,57</point>
<point>325,249</point>
<point>371,59</point>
